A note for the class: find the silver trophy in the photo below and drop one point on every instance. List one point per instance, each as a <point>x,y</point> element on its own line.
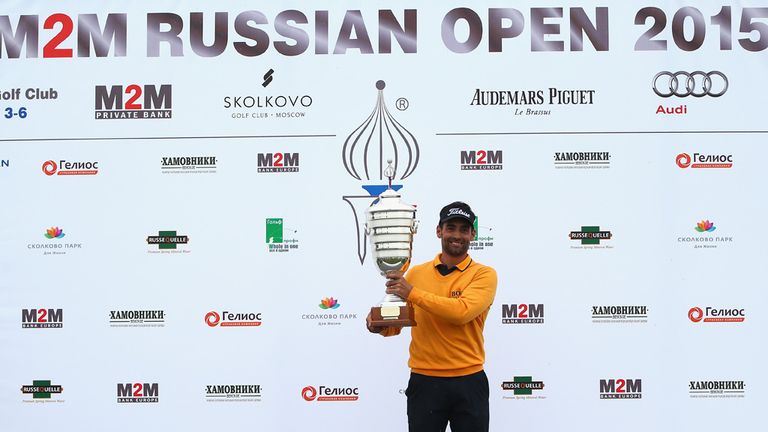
<point>391,224</point>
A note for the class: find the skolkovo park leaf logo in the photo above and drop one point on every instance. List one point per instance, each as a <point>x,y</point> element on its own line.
<point>705,226</point>
<point>329,303</point>
<point>54,232</point>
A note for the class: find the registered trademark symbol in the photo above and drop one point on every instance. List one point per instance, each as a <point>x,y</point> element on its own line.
<point>402,104</point>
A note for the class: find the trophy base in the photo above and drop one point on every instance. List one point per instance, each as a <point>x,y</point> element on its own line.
<point>393,316</point>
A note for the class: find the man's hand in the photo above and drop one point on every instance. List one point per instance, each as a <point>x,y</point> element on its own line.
<point>398,285</point>
<point>373,328</point>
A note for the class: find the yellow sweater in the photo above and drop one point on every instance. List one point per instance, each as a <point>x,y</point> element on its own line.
<point>450,314</point>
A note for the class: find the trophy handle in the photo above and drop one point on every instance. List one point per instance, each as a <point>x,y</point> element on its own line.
<point>394,298</point>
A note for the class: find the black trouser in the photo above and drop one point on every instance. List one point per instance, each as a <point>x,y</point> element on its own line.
<point>435,401</point>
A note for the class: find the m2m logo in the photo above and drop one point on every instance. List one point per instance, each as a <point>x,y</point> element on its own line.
<point>522,313</point>
<point>141,102</point>
<point>278,162</point>
<point>42,318</point>
<point>114,35</point>
<point>137,393</point>
<point>621,388</point>
<point>481,160</point>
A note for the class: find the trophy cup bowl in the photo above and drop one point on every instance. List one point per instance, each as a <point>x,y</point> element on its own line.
<point>391,225</point>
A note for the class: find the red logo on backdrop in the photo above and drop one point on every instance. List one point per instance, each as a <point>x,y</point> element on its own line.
<point>230,319</point>
<point>698,160</point>
<point>683,160</point>
<point>212,319</point>
<point>695,314</point>
<point>50,168</point>
<point>716,315</point>
<point>66,168</point>
<point>330,394</point>
<point>309,393</point>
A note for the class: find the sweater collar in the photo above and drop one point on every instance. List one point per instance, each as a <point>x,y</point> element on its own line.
<point>444,270</point>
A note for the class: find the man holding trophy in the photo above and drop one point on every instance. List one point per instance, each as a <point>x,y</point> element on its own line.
<point>446,300</point>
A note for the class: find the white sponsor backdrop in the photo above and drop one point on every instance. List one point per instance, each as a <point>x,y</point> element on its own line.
<point>528,208</point>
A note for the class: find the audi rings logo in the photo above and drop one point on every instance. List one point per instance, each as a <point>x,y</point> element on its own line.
<point>683,160</point>
<point>212,319</point>
<point>309,393</point>
<point>695,314</point>
<point>50,168</point>
<point>697,84</point>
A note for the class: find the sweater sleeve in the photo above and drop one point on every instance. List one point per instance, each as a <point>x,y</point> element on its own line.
<point>474,300</point>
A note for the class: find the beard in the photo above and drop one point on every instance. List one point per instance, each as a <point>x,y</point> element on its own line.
<point>455,247</point>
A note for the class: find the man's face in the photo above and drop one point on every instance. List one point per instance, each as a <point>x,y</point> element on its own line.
<point>455,235</point>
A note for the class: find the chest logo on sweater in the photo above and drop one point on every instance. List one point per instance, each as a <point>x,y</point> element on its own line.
<point>455,294</point>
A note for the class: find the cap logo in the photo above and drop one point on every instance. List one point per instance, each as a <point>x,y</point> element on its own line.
<point>458,212</point>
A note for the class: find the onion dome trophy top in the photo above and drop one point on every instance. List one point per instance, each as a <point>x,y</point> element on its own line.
<point>379,138</point>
